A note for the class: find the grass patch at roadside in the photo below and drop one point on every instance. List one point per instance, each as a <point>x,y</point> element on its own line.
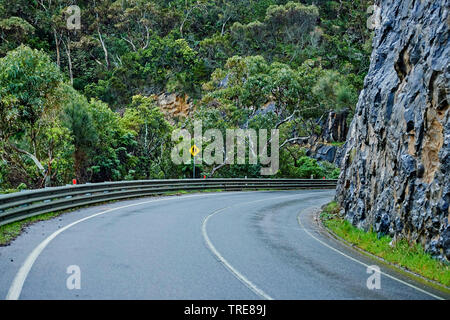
<point>12,230</point>
<point>181,192</point>
<point>409,256</point>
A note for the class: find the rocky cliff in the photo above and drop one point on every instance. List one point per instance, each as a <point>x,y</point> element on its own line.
<point>396,166</point>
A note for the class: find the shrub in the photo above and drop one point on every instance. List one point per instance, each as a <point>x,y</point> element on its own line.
<point>330,170</point>
<point>307,167</point>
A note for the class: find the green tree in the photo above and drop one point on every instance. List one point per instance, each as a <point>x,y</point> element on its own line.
<point>166,65</point>
<point>153,135</point>
<point>77,118</point>
<point>335,92</point>
<point>109,155</point>
<point>30,95</point>
<point>13,30</point>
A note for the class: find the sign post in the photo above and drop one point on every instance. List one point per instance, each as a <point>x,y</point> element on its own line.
<point>194,151</point>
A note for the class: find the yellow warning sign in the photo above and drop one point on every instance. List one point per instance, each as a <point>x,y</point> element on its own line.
<point>194,150</point>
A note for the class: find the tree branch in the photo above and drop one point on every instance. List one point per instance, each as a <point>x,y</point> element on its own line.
<point>31,156</point>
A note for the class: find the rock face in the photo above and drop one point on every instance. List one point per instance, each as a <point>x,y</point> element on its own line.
<point>323,153</point>
<point>396,166</point>
<point>174,106</point>
<point>334,129</point>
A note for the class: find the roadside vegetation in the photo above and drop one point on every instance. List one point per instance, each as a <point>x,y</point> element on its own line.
<point>12,230</point>
<point>409,256</point>
<point>84,103</point>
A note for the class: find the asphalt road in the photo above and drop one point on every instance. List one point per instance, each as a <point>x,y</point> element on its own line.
<point>235,245</point>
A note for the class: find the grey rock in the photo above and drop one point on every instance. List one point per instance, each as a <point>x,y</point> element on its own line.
<point>396,159</point>
<point>224,82</point>
<point>325,153</point>
<point>335,128</point>
<point>433,248</point>
<point>340,152</point>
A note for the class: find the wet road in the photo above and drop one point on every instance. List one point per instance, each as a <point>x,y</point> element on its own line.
<point>235,245</point>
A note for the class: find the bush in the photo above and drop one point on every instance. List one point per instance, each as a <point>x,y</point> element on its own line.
<point>3,174</point>
<point>330,170</point>
<point>307,167</point>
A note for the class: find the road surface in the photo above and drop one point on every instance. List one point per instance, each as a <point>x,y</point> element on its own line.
<point>231,245</point>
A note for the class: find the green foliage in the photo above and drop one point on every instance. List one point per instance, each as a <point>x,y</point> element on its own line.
<point>335,91</point>
<point>31,95</point>
<point>295,164</point>
<point>289,24</point>
<point>216,51</point>
<point>28,84</point>
<point>330,170</point>
<point>153,136</point>
<point>242,63</point>
<point>109,154</point>
<point>57,150</point>
<point>13,29</point>
<point>250,82</point>
<point>77,119</point>
<point>166,65</point>
<point>330,209</point>
<point>308,167</point>
<point>114,31</point>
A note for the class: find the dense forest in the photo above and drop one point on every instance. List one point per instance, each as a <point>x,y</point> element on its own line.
<point>83,102</point>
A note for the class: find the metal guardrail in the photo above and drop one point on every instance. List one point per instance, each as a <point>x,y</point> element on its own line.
<point>21,205</point>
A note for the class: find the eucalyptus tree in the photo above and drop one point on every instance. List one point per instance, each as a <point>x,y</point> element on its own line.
<point>30,96</point>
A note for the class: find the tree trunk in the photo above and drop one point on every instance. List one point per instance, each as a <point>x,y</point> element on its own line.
<point>32,157</point>
<point>58,55</point>
<point>105,50</point>
<point>69,59</point>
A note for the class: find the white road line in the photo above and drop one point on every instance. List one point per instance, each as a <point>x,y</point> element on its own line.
<point>17,284</point>
<point>226,264</point>
<point>362,263</point>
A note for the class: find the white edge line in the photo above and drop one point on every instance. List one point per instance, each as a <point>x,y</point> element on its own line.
<point>366,265</point>
<point>236,273</point>
<point>19,280</point>
<point>225,263</point>
<point>21,276</point>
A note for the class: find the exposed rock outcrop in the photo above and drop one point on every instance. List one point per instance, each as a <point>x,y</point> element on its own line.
<point>396,166</point>
<point>323,152</point>
<point>334,129</point>
<point>174,106</point>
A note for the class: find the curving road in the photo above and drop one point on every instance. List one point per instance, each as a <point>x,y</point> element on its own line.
<point>240,245</point>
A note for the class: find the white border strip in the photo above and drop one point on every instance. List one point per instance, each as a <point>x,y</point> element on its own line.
<point>362,263</point>
<point>236,273</point>
<point>226,264</point>
<point>19,280</point>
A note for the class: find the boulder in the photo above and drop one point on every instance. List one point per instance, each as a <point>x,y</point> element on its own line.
<point>325,153</point>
